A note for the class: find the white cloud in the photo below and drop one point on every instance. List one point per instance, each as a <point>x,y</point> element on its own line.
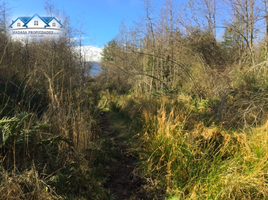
<point>90,53</point>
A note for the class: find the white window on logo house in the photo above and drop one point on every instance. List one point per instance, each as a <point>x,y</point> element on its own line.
<point>36,23</point>
<point>18,24</point>
<point>53,24</point>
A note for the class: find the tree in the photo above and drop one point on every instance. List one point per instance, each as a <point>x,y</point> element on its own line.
<point>245,14</point>
<point>207,9</point>
<point>265,5</point>
<point>107,53</point>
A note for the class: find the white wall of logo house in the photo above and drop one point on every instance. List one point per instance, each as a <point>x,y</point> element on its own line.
<point>35,27</point>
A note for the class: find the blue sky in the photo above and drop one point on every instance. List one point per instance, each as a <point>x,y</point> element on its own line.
<point>100,18</point>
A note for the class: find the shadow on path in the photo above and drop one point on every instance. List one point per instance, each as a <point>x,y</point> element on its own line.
<point>123,183</point>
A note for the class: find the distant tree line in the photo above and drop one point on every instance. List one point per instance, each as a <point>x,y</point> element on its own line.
<point>190,47</point>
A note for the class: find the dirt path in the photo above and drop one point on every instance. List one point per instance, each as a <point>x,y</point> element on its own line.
<point>123,183</point>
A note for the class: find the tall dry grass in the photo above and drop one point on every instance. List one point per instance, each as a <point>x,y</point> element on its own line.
<point>27,185</point>
<point>70,116</point>
<point>185,151</point>
<point>202,162</point>
<point>63,142</point>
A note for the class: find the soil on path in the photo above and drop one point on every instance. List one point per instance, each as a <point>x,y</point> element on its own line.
<point>123,183</point>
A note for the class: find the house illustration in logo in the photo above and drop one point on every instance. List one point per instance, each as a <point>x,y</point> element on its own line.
<point>35,26</point>
<point>36,22</point>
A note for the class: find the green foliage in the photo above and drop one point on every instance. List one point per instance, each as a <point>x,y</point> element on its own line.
<point>54,139</point>
<point>264,54</point>
<point>107,52</point>
<point>230,39</point>
<point>15,94</point>
<point>15,131</point>
<point>12,129</point>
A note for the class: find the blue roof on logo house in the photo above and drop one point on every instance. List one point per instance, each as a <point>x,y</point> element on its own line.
<point>36,22</point>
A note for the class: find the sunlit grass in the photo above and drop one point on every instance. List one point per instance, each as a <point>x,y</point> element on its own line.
<point>190,158</point>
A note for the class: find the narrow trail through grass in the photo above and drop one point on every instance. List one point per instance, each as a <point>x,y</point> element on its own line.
<point>123,183</point>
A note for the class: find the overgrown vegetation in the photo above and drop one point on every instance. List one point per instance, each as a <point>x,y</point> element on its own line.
<point>50,142</point>
<point>192,105</point>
